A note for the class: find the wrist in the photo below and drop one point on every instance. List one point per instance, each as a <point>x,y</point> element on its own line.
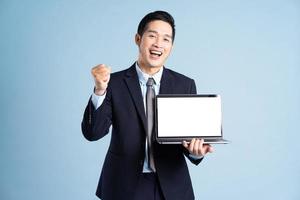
<point>99,92</point>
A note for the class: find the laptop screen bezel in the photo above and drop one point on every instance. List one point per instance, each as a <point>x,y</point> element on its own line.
<point>181,138</point>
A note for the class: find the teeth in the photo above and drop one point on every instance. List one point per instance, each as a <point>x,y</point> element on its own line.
<point>156,52</point>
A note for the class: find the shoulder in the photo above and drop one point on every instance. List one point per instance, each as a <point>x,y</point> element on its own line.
<point>119,74</point>
<point>180,83</point>
<point>123,73</point>
<point>176,75</point>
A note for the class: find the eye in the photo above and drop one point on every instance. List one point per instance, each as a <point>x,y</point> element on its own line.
<point>151,36</point>
<point>167,40</point>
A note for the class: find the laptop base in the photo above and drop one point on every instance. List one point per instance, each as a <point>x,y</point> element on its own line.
<point>206,141</point>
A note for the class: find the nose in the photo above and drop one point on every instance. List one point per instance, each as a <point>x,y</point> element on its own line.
<point>158,42</point>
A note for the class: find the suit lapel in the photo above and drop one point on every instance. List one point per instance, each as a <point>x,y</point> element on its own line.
<point>132,81</point>
<point>134,88</point>
<point>166,83</point>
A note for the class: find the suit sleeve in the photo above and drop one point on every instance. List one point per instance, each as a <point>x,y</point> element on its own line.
<point>193,160</point>
<point>96,122</point>
<point>193,89</point>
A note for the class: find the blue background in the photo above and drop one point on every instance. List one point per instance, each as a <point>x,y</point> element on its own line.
<point>247,51</point>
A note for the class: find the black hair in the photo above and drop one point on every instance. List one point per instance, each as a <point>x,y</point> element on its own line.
<point>156,15</point>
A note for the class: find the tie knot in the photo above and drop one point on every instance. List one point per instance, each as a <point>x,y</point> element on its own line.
<point>150,82</point>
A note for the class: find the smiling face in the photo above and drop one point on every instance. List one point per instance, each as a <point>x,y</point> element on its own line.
<point>154,45</point>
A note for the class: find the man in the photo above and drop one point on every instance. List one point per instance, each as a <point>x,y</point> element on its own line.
<point>136,167</point>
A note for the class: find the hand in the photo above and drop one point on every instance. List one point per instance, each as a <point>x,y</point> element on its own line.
<point>197,148</point>
<point>101,74</point>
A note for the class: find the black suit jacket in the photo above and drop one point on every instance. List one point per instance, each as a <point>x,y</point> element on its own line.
<point>123,109</point>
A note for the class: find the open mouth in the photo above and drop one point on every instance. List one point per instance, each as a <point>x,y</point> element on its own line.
<point>155,53</point>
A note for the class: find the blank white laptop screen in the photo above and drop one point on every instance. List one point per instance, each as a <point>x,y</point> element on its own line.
<point>197,116</point>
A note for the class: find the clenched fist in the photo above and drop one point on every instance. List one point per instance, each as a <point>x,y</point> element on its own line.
<point>101,74</point>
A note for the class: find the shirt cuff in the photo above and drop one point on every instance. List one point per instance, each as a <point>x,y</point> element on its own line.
<point>196,157</point>
<point>98,100</point>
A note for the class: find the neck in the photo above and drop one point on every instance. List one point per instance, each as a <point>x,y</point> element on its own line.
<point>148,69</point>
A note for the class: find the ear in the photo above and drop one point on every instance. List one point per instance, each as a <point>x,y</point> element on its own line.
<point>137,39</point>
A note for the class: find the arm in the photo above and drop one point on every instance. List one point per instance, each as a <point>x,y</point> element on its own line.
<point>96,122</point>
<point>195,150</point>
<point>97,116</point>
<point>191,158</point>
<point>193,89</point>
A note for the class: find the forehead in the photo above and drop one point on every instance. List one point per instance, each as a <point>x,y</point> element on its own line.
<point>161,27</point>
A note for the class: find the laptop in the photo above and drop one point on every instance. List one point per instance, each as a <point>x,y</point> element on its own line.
<point>183,117</point>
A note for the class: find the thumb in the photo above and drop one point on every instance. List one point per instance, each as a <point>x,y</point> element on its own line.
<point>185,144</point>
<point>210,149</point>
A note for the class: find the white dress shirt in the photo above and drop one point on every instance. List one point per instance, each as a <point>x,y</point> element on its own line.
<point>143,78</point>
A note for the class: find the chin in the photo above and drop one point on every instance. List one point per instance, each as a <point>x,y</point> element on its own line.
<point>155,64</point>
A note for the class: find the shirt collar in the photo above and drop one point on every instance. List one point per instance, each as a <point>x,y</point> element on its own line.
<point>143,77</point>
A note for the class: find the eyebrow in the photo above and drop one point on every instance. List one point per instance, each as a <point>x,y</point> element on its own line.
<point>153,31</point>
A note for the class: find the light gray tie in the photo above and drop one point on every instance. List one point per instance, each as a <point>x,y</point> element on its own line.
<point>150,94</point>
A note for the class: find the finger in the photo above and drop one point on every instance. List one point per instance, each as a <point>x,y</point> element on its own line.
<point>191,146</point>
<point>101,84</point>
<point>101,77</point>
<point>196,147</point>
<point>109,69</point>
<point>101,69</point>
<point>201,149</point>
<point>185,144</point>
<point>99,66</point>
<point>95,69</point>
<point>210,149</point>
<point>106,78</point>
<point>102,72</point>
